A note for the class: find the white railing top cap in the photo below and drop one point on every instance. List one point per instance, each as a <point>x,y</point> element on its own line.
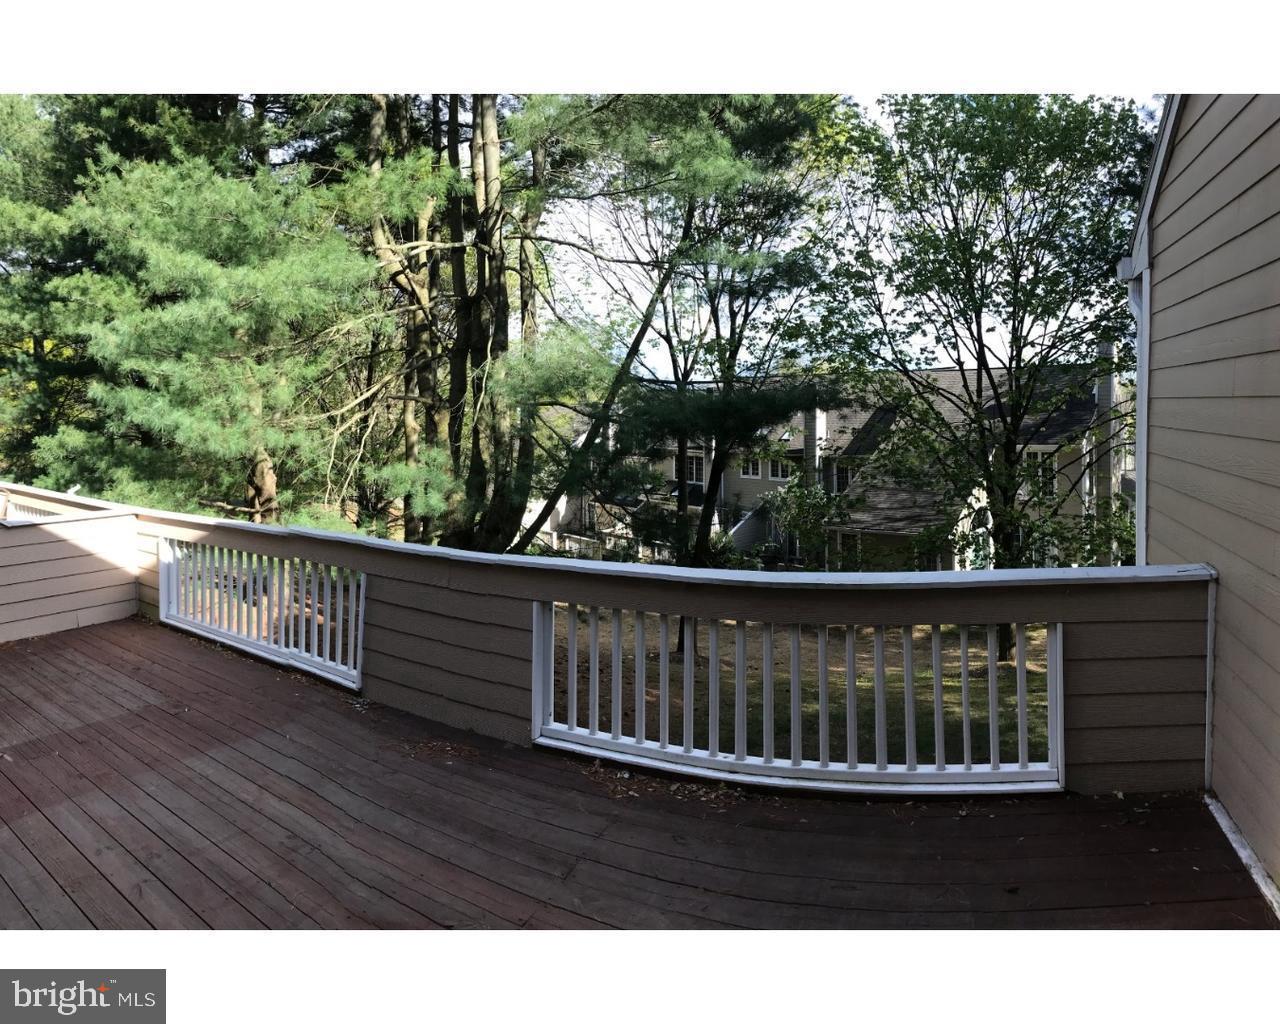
<point>679,574</point>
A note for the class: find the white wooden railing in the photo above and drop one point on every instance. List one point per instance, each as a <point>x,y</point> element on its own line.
<point>302,613</point>
<point>18,510</point>
<point>853,721</point>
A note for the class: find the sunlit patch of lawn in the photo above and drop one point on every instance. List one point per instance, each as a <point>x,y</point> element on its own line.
<point>953,725</point>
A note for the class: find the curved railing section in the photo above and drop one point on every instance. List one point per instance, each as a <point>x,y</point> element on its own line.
<point>891,708</point>
<point>1096,679</point>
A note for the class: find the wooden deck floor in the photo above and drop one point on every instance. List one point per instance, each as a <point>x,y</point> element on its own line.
<point>150,780</point>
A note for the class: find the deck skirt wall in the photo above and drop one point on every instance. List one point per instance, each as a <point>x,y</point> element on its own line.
<point>449,635</point>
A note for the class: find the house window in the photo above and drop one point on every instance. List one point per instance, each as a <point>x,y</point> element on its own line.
<point>779,469</point>
<point>750,469</point>
<point>1042,469</point>
<point>843,478</point>
<point>693,469</point>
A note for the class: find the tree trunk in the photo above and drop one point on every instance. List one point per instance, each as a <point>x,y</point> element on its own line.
<point>260,489</point>
<point>579,457</point>
<point>706,521</point>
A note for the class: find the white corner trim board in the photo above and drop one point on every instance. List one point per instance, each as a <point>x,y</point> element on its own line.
<point>1135,271</point>
<point>1266,884</point>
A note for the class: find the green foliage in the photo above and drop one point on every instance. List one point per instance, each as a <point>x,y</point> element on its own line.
<point>803,511</point>
<point>211,315</point>
<point>982,232</point>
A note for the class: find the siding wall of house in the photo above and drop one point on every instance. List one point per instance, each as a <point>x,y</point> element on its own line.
<point>1214,408</point>
<point>57,575</point>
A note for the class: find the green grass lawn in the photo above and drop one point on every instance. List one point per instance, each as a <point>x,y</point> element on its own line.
<point>895,718</point>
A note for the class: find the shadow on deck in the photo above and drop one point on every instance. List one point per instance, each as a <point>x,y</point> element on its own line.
<point>148,779</point>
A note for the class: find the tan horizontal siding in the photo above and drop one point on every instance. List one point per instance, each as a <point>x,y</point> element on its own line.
<point>457,713</point>
<point>1244,787</point>
<point>1138,776</point>
<point>1214,439</point>
<point>1249,292</point>
<point>1134,638</point>
<point>1125,676</point>
<point>1209,502</point>
<point>1139,710</point>
<point>1254,246</point>
<point>1242,416</point>
<point>1181,244</point>
<point>1247,376</point>
<point>1245,334</point>
<point>1256,585</point>
<point>1247,458</point>
<point>61,575</point>
<point>1194,107</point>
<point>1202,121</point>
<point>87,614</point>
<point>452,639</point>
<point>1234,158</point>
<point>76,564</point>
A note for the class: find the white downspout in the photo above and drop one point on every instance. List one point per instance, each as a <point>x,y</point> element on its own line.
<point>1140,304</point>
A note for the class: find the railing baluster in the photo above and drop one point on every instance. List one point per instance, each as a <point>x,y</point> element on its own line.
<point>797,709</point>
<point>328,619</point>
<point>286,603</point>
<point>767,693</point>
<point>339,617</point>
<point>664,681</point>
<point>824,727</point>
<point>220,584</point>
<point>642,657</point>
<point>300,609</point>
<point>882,732</point>
<point>211,583</point>
<point>571,677</point>
<point>1053,679</point>
<point>690,637</point>
<point>242,592</point>
<point>242,602</point>
<point>993,696</point>
<point>740,690</point>
<point>851,695</point>
<point>713,687</point>
<point>179,556</point>
<point>909,695</point>
<point>549,660</point>
<point>314,597</point>
<point>939,740</point>
<point>257,597</point>
<point>964,697</point>
<point>615,692</point>
<point>1021,634</point>
<point>593,670</point>
<point>206,584</point>
<point>355,625</point>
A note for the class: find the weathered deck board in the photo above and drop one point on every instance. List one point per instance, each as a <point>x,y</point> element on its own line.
<point>147,778</point>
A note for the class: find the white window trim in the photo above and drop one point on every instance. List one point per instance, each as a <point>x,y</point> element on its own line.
<point>780,462</point>
<point>745,474</point>
<point>689,476</point>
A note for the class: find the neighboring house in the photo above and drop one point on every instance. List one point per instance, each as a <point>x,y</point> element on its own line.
<point>886,526</point>
<point>1204,278</point>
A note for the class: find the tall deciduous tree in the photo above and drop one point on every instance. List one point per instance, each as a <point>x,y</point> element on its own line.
<point>981,233</point>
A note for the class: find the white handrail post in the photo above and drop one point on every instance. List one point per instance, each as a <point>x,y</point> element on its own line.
<point>539,667</point>
<point>1057,760</point>
<point>168,583</point>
